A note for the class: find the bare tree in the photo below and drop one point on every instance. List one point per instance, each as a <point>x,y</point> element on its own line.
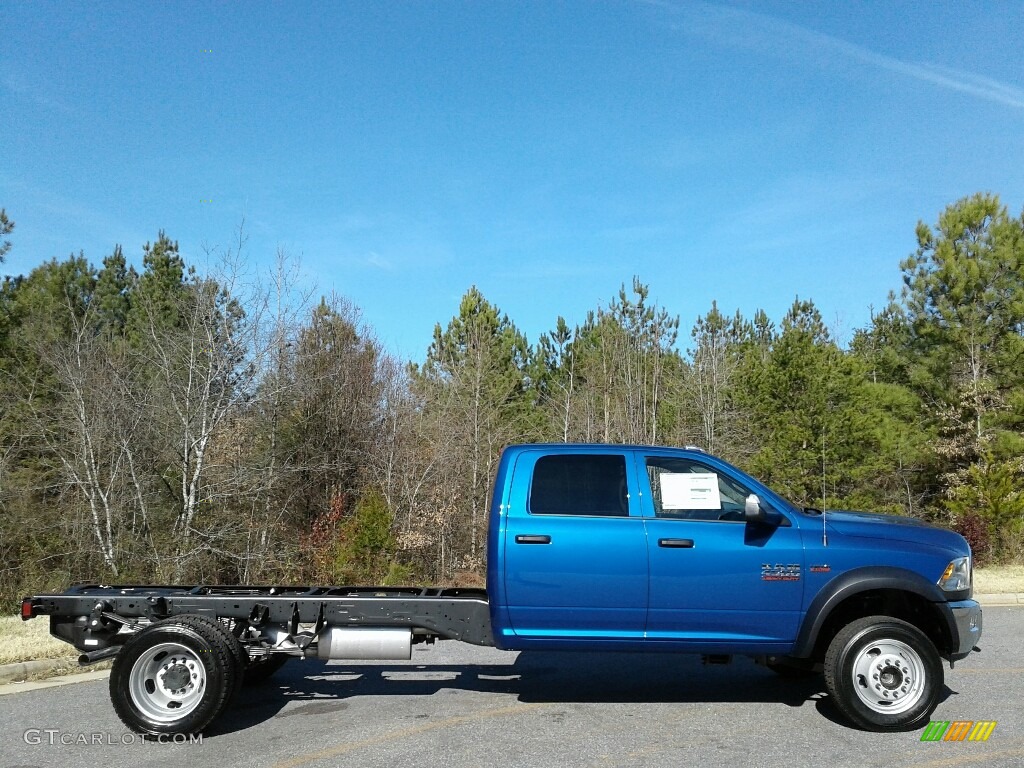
<point>203,367</point>
<point>92,431</point>
<point>620,358</point>
<point>712,372</point>
<point>261,479</point>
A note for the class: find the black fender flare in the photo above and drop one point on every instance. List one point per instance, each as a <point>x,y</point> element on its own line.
<point>867,579</point>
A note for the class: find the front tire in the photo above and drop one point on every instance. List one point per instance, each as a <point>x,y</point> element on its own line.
<point>884,674</point>
<point>174,677</point>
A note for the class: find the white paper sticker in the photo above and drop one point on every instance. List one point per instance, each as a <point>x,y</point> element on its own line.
<point>690,490</point>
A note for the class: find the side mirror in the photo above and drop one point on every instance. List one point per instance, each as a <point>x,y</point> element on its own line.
<point>753,512</point>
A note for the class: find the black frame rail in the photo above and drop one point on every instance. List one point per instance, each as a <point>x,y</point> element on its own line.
<point>83,614</point>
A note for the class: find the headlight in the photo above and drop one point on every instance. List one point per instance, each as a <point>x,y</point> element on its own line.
<point>957,575</point>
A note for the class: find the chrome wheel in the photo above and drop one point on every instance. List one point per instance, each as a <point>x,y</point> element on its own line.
<point>176,675</point>
<point>888,676</point>
<point>883,673</point>
<point>167,682</point>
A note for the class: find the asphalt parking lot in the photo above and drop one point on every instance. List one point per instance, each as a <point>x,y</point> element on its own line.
<point>462,706</point>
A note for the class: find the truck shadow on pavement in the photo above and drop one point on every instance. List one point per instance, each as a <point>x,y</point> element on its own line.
<point>531,677</point>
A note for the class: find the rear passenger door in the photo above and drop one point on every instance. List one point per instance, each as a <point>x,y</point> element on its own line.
<point>575,547</point>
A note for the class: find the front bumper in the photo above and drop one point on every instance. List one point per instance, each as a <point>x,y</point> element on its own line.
<point>967,618</point>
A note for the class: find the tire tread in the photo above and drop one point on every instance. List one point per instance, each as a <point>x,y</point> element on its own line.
<point>846,701</point>
<point>225,665</point>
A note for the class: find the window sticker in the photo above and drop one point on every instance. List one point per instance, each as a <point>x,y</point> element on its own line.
<point>690,490</point>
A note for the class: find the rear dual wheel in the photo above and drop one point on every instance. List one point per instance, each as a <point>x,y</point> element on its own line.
<point>176,676</point>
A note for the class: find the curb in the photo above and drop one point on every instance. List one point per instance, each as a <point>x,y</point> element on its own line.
<point>10,689</point>
<point>997,599</point>
<point>10,673</point>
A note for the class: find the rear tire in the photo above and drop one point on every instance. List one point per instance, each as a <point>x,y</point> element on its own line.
<point>884,674</point>
<point>175,676</point>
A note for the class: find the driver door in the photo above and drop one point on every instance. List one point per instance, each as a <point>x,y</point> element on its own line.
<point>715,577</point>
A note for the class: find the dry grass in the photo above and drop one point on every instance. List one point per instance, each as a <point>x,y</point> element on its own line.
<point>999,578</point>
<point>31,640</point>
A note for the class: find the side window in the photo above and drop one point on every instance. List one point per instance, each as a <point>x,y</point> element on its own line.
<point>582,484</point>
<point>684,489</point>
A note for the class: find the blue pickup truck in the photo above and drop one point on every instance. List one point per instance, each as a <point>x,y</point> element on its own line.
<point>590,547</point>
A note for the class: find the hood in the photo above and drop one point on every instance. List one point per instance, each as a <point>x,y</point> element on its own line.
<point>894,528</point>
<point>874,518</point>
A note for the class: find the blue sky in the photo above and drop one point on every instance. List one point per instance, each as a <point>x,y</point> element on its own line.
<point>545,152</point>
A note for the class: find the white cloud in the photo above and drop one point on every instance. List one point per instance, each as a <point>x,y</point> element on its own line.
<point>374,259</point>
<point>759,31</point>
<point>17,85</point>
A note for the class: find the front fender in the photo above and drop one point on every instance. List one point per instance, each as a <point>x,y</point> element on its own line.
<point>869,579</point>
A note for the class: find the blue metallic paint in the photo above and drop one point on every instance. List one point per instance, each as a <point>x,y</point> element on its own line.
<point>604,582</point>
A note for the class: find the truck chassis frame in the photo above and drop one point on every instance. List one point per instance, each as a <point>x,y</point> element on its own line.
<point>91,616</point>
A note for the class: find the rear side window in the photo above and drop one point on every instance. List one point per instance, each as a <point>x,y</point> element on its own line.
<point>579,485</point>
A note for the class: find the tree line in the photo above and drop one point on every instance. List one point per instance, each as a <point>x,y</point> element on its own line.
<point>210,426</point>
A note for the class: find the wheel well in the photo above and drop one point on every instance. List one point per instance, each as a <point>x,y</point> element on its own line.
<point>907,606</point>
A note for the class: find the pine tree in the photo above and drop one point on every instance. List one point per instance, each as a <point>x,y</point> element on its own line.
<point>155,303</point>
<point>964,293</point>
<point>6,227</point>
<point>475,386</point>
<point>111,297</point>
<point>964,290</point>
